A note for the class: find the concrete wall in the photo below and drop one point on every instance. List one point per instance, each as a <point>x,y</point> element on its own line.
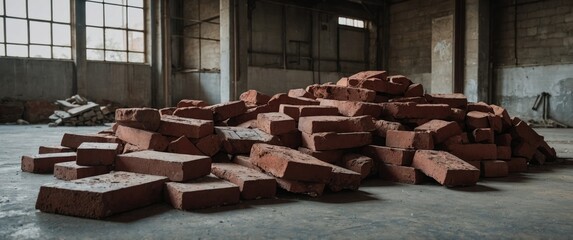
<point>35,79</point>
<point>538,59</point>
<point>411,37</point>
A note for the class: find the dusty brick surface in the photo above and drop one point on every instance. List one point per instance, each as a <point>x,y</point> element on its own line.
<point>254,97</point>
<point>53,149</point>
<point>358,163</point>
<point>389,155</point>
<point>300,92</point>
<point>341,93</point>
<point>353,108</point>
<point>409,139</point>
<point>251,114</point>
<point>474,152</point>
<point>283,98</point>
<point>445,168</point>
<point>183,145</point>
<point>209,145</point>
<point>245,161</point>
<point>417,100</point>
<point>237,140</point>
<point>188,127</point>
<point>370,74</point>
<point>330,156</point>
<point>167,111</point>
<point>441,130</point>
<point>503,114</point>
<point>332,141</point>
<point>191,103</point>
<point>206,192</point>
<point>223,111</point>
<point>292,139</point>
<point>495,168</point>
<point>194,112</point>
<point>525,133</point>
<point>414,90</point>
<point>378,85</point>
<point>409,110</point>
<point>286,163</point>
<point>44,163</point>
<point>337,124</point>
<point>276,123</point>
<point>252,183</point>
<point>72,171</point>
<point>477,119</point>
<point>297,111</point>
<point>177,167</point>
<point>517,164</point>
<point>100,196</point>
<point>97,154</point>
<point>480,107</point>
<point>73,141</point>
<point>483,135</point>
<point>503,152</point>
<point>142,139</point>
<point>402,174</point>
<point>308,188</point>
<point>454,100</point>
<point>140,118</point>
<point>383,126</point>
<point>343,179</point>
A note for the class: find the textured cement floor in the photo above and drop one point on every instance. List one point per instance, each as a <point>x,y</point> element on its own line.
<point>537,204</point>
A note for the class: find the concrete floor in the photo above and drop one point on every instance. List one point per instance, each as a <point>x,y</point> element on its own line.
<point>537,204</point>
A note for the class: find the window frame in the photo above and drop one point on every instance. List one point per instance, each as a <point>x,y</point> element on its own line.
<point>127,29</point>
<point>354,24</point>
<point>29,44</point>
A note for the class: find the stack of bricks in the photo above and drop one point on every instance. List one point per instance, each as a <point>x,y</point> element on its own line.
<point>330,136</point>
<point>78,111</point>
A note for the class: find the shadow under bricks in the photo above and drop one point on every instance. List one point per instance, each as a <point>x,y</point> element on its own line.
<point>477,188</point>
<point>342,197</point>
<point>141,213</point>
<point>234,207</point>
<point>268,201</point>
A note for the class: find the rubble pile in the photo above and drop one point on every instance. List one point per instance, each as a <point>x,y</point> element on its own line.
<point>78,111</point>
<point>328,137</point>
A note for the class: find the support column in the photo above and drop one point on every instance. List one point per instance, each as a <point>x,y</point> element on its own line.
<point>79,46</point>
<point>226,10</point>
<point>155,23</point>
<point>477,86</point>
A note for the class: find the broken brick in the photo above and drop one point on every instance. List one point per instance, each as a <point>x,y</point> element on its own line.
<point>142,139</point>
<point>191,103</point>
<point>96,154</point>
<point>223,111</point>
<point>188,127</point>
<point>100,196</point>
<point>548,151</point>
<point>418,100</point>
<point>245,161</point>
<point>53,149</point>
<point>300,92</point>
<point>251,114</point>
<point>73,141</point>
<point>44,163</point>
<point>209,145</point>
<point>183,145</point>
<point>72,171</point>
<point>177,167</point>
<point>358,163</point>
<point>194,112</point>
<point>538,158</point>
<point>483,135</point>
<point>252,183</point>
<point>445,168</point>
<point>378,85</point>
<point>476,119</point>
<point>415,90</point>
<point>408,139</point>
<point>503,114</point>
<point>410,110</point>
<point>523,149</point>
<point>140,118</point>
<point>441,130</point>
<point>401,174</point>
<point>309,188</point>
<point>454,100</point>
<point>389,155</point>
<point>329,156</point>
<point>370,74</point>
<point>341,93</point>
<point>523,131</point>
<point>479,107</point>
<point>342,178</point>
<point>208,191</point>
<point>276,123</point>
<point>254,97</point>
<point>353,108</point>
<point>297,111</point>
<point>383,126</point>
<point>495,168</point>
<point>283,98</point>
<point>333,140</point>
<point>236,140</point>
<point>337,124</point>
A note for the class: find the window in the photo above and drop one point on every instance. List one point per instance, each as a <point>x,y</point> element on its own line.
<point>115,30</point>
<point>350,22</point>
<point>35,28</point>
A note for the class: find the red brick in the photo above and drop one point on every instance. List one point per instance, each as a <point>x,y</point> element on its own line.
<point>548,151</point>
<point>408,139</point>
<point>130,148</point>
<point>494,168</point>
<point>517,164</point>
<point>300,92</point>
<point>523,149</point>
<point>167,111</point>
<point>418,100</point>
<point>254,97</point>
<point>476,119</point>
<point>100,196</point>
<point>329,156</point>
<point>445,168</point>
<point>188,127</point>
<point>353,108</point>
<point>251,114</point>
<point>183,145</point>
<point>97,154</point>
<point>389,155</point>
<point>223,111</point>
<point>245,161</point>
<point>283,98</point>
<point>400,79</point>
<point>177,167</point>
<point>495,123</point>
<point>503,139</point>
<point>415,90</point>
<point>483,135</point>
<point>342,178</point>
<point>455,100</point>
<point>479,107</point>
<point>337,124</point>
<point>308,188</point>
<point>276,123</point>
<point>358,163</point>
<point>332,140</point>
<point>503,152</point>
<point>473,152</point>
<point>142,139</point>
<point>297,111</point>
<point>292,139</point>
<point>140,118</point>
<point>457,140</point>
<point>54,149</point>
<point>72,171</point>
<point>476,164</point>
<point>194,112</point>
<point>341,93</point>
<point>252,183</point>
<point>370,74</point>
<point>402,174</point>
<point>73,141</point>
<point>205,192</point>
<point>209,145</point>
<point>441,130</point>
<point>538,158</point>
<point>378,85</point>
<point>502,113</point>
<point>380,98</point>
<point>417,111</point>
<point>283,162</point>
<point>237,140</point>
<point>524,132</point>
<point>458,115</point>
<point>44,163</point>
<point>383,126</point>
<point>191,103</point>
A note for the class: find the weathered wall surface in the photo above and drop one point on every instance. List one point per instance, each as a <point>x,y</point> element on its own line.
<point>272,81</point>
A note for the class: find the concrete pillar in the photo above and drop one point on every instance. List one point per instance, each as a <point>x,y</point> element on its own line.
<point>477,85</point>
<point>79,47</point>
<point>233,35</point>
<point>226,10</point>
<point>154,22</point>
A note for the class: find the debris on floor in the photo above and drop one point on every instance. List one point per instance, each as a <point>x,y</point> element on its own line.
<point>327,137</point>
<point>79,111</point>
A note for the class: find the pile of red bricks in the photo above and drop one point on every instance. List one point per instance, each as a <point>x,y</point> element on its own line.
<point>329,136</point>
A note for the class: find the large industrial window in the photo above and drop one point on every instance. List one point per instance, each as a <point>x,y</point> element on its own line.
<point>350,22</point>
<point>115,30</point>
<point>35,28</point>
